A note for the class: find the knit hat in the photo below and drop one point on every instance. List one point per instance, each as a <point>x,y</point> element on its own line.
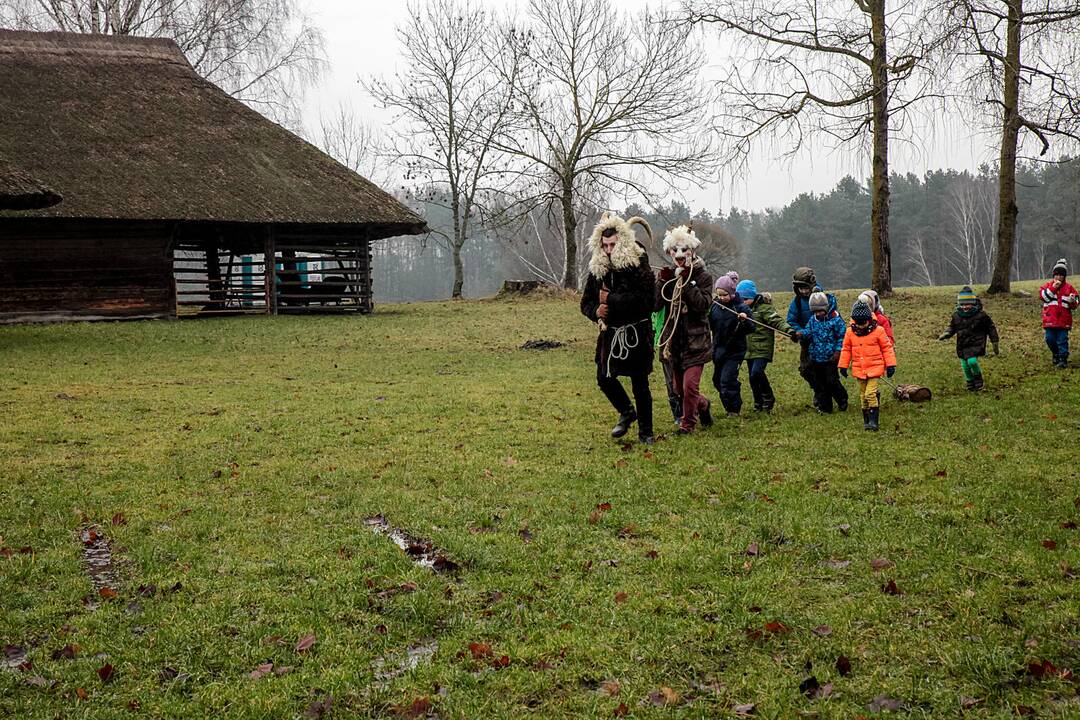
<point>860,312</point>
<point>1061,265</point>
<point>733,275</point>
<point>870,297</point>
<point>725,283</point>
<point>818,301</point>
<point>804,276</point>
<point>966,296</point>
<point>747,289</point>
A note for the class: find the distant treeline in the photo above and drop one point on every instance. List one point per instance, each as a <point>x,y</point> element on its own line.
<point>942,232</point>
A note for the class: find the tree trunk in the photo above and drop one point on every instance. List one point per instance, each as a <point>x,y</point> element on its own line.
<point>569,279</point>
<point>1010,131</point>
<point>881,279</point>
<point>456,243</point>
<point>459,272</point>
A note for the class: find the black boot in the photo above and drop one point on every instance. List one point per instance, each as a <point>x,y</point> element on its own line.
<point>977,382</point>
<point>623,426</point>
<point>971,385</point>
<point>875,414</point>
<point>865,419</point>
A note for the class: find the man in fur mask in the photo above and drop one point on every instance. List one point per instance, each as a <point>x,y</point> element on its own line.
<point>685,291</point>
<point>618,297</point>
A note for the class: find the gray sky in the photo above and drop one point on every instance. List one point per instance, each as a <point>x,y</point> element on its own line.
<point>360,41</point>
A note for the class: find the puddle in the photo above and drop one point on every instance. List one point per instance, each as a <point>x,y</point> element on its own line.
<point>388,669</point>
<point>541,345</point>
<point>98,559</point>
<point>422,552</point>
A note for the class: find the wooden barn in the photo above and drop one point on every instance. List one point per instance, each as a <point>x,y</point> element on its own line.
<point>176,198</point>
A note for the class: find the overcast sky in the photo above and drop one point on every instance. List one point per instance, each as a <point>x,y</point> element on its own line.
<point>360,41</point>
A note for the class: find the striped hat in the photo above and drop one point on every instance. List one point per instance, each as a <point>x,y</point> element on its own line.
<point>966,296</point>
<point>860,312</point>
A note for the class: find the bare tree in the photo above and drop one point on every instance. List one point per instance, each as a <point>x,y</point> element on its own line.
<point>603,102</point>
<point>969,246</point>
<point>1029,70</point>
<point>353,142</point>
<point>263,52</point>
<point>823,68</point>
<point>449,107</point>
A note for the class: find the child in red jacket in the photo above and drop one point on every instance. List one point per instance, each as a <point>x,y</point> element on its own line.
<point>1059,299</point>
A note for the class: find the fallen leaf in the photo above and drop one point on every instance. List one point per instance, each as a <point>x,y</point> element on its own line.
<point>610,688</point>
<point>744,709</point>
<point>810,687</point>
<point>1070,525</point>
<point>890,588</point>
<point>664,697</point>
<point>754,609</point>
<point>621,597</point>
<point>941,473</point>
<point>81,693</point>
<point>652,554</point>
<point>305,643</point>
<point>1025,710</point>
<point>621,710</point>
<point>119,519</point>
<point>967,703</point>
<point>604,506</point>
<point>822,630</point>
<point>106,672</point>
<point>648,454</point>
<point>837,564</point>
<point>844,529</point>
<point>843,665</point>
<point>480,650</point>
<point>630,531</point>
<point>107,593</point>
<point>319,708</point>
<point>26,550</point>
<point>882,563</point>
<point>261,670</point>
<point>1041,669</point>
<point>526,535</point>
<point>777,628</point>
<point>594,517</point>
<point>752,549</point>
<point>134,705</point>
<point>147,590</point>
<point>279,671</point>
<point>884,702</point>
<point>510,461</point>
<point>501,661</point>
<point>68,652</point>
<point>621,463</point>
<point>1049,544</point>
<point>418,708</point>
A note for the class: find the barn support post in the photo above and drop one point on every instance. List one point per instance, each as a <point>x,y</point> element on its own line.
<point>270,264</point>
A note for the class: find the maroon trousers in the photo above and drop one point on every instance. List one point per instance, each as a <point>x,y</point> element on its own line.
<point>687,383</point>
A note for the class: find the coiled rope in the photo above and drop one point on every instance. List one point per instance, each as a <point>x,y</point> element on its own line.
<point>622,344</point>
<point>671,322</point>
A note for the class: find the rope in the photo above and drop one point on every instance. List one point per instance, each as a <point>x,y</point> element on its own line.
<point>751,319</point>
<point>621,344</point>
<point>672,319</point>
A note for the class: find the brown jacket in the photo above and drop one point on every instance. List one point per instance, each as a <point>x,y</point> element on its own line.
<point>691,340</point>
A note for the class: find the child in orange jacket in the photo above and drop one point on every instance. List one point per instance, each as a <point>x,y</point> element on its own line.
<point>869,353</point>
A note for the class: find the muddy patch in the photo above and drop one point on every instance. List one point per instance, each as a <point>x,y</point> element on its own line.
<point>422,552</point>
<point>391,667</point>
<point>541,345</point>
<point>98,560</point>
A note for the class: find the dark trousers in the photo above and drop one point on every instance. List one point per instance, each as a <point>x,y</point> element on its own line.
<point>726,381</point>
<point>1057,339</point>
<point>827,386</point>
<point>616,394</point>
<point>673,398</point>
<point>806,369</point>
<point>759,384</point>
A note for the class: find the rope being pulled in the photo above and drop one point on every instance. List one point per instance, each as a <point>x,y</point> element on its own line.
<point>671,322</point>
<point>751,319</point>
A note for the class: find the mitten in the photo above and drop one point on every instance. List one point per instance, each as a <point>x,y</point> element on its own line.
<point>997,350</point>
<point>843,371</point>
<point>890,371</point>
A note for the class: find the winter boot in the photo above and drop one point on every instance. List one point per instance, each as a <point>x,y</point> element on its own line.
<point>623,426</point>
<point>875,413</point>
<point>977,383</point>
<point>705,416</point>
<point>970,384</point>
<point>865,419</point>
<point>646,439</point>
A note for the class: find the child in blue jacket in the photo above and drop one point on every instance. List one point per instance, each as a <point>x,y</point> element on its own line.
<point>729,319</point>
<point>824,339</point>
<point>803,284</point>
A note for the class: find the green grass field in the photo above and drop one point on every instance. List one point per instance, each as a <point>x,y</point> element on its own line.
<point>241,457</point>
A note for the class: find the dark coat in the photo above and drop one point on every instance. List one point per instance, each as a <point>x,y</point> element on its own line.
<point>630,303</point>
<point>728,331</point>
<point>691,341</point>
<point>971,333</point>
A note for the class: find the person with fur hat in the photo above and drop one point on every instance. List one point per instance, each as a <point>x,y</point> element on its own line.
<point>1059,299</point>
<point>619,298</point>
<point>971,326</point>
<point>869,353</point>
<point>684,291</point>
<point>871,298</point>
<point>804,283</point>
<point>824,338</point>
<point>729,320</point>
<point>761,342</point>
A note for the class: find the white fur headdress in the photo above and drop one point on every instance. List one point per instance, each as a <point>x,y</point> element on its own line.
<point>627,252</point>
<point>681,235</point>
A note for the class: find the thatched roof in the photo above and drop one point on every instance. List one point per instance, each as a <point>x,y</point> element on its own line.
<point>19,191</point>
<point>127,130</point>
